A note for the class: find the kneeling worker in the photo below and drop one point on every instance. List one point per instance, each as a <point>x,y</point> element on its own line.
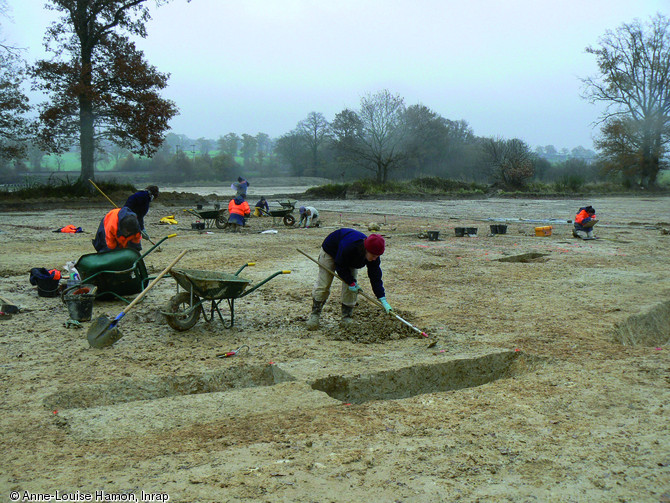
<point>118,229</point>
<point>262,207</point>
<point>309,217</point>
<point>584,222</point>
<point>345,251</point>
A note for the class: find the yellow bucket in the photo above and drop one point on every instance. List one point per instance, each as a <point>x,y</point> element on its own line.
<point>543,231</point>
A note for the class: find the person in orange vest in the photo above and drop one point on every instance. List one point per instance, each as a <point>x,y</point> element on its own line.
<point>238,209</point>
<point>585,219</point>
<point>118,229</point>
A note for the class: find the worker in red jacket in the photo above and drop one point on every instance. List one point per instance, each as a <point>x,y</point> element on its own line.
<point>585,219</point>
<point>238,209</point>
<point>118,229</point>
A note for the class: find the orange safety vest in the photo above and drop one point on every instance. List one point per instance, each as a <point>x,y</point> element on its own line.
<point>69,228</point>
<point>582,215</point>
<point>111,224</point>
<point>239,209</point>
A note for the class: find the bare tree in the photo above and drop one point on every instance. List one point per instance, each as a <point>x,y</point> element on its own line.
<point>634,82</point>
<point>315,130</point>
<point>374,138</point>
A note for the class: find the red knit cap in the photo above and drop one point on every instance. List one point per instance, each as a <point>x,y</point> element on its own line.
<point>374,243</point>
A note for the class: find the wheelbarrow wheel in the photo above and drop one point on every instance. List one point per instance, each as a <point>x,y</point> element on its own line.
<point>184,317</point>
<point>289,220</point>
<point>221,220</point>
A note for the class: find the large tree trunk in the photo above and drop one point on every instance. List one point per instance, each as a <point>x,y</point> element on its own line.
<point>86,138</point>
<point>86,122</point>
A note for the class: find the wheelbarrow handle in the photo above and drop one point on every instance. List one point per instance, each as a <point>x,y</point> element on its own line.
<point>156,245</point>
<point>255,287</point>
<point>242,268</point>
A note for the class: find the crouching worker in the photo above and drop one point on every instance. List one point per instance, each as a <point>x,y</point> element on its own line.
<point>238,209</point>
<point>118,229</point>
<point>262,207</point>
<point>309,217</point>
<point>345,251</point>
<point>584,222</point>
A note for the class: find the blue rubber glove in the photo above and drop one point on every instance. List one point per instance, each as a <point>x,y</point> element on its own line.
<point>354,287</point>
<point>387,306</point>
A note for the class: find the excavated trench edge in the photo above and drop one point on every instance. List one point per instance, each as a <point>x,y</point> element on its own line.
<point>426,378</point>
<point>384,385</point>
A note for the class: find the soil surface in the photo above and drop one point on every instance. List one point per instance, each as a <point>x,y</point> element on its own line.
<point>524,390</point>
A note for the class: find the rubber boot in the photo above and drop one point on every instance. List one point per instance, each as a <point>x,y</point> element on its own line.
<point>346,320</point>
<point>313,321</point>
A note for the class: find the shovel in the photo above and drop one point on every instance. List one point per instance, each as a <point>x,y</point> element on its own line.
<point>103,331</point>
<point>8,307</point>
<point>368,297</point>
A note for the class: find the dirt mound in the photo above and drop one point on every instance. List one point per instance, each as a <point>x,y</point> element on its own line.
<point>372,326</point>
<point>651,328</point>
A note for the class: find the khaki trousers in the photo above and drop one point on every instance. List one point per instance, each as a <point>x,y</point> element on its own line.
<point>325,279</point>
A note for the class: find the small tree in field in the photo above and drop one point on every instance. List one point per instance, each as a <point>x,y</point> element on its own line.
<point>510,161</point>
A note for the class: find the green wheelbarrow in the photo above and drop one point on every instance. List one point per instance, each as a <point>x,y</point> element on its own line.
<point>185,308</point>
<point>116,273</point>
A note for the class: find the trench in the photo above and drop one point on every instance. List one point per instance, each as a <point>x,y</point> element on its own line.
<point>129,390</point>
<point>251,381</point>
<point>426,378</point>
<point>650,328</point>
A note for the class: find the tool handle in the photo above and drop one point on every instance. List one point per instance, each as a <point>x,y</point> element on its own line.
<point>152,284</point>
<point>361,292</point>
<point>100,190</point>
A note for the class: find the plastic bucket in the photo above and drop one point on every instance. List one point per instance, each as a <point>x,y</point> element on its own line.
<point>471,231</point>
<point>459,231</point>
<point>79,301</point>
<point>48,287</point>
<point>433,235</point>
<point>502,229</point>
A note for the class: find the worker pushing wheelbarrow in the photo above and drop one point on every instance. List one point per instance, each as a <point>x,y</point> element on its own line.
<point>199,287</point>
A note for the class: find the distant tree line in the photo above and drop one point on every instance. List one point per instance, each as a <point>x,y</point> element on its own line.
<point>103,101</point>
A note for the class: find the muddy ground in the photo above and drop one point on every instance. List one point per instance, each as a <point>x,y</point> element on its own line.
<point>523,390</point>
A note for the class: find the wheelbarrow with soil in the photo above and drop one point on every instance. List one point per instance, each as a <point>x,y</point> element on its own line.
<point>200,287</point>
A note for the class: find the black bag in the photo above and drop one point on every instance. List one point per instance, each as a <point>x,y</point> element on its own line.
<point>47,286</point>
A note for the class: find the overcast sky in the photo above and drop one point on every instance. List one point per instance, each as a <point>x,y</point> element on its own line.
<point>510,68</point>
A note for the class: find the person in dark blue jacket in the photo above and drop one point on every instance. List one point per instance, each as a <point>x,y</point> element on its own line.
<point>139,204</point>
<point>346,251</point>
